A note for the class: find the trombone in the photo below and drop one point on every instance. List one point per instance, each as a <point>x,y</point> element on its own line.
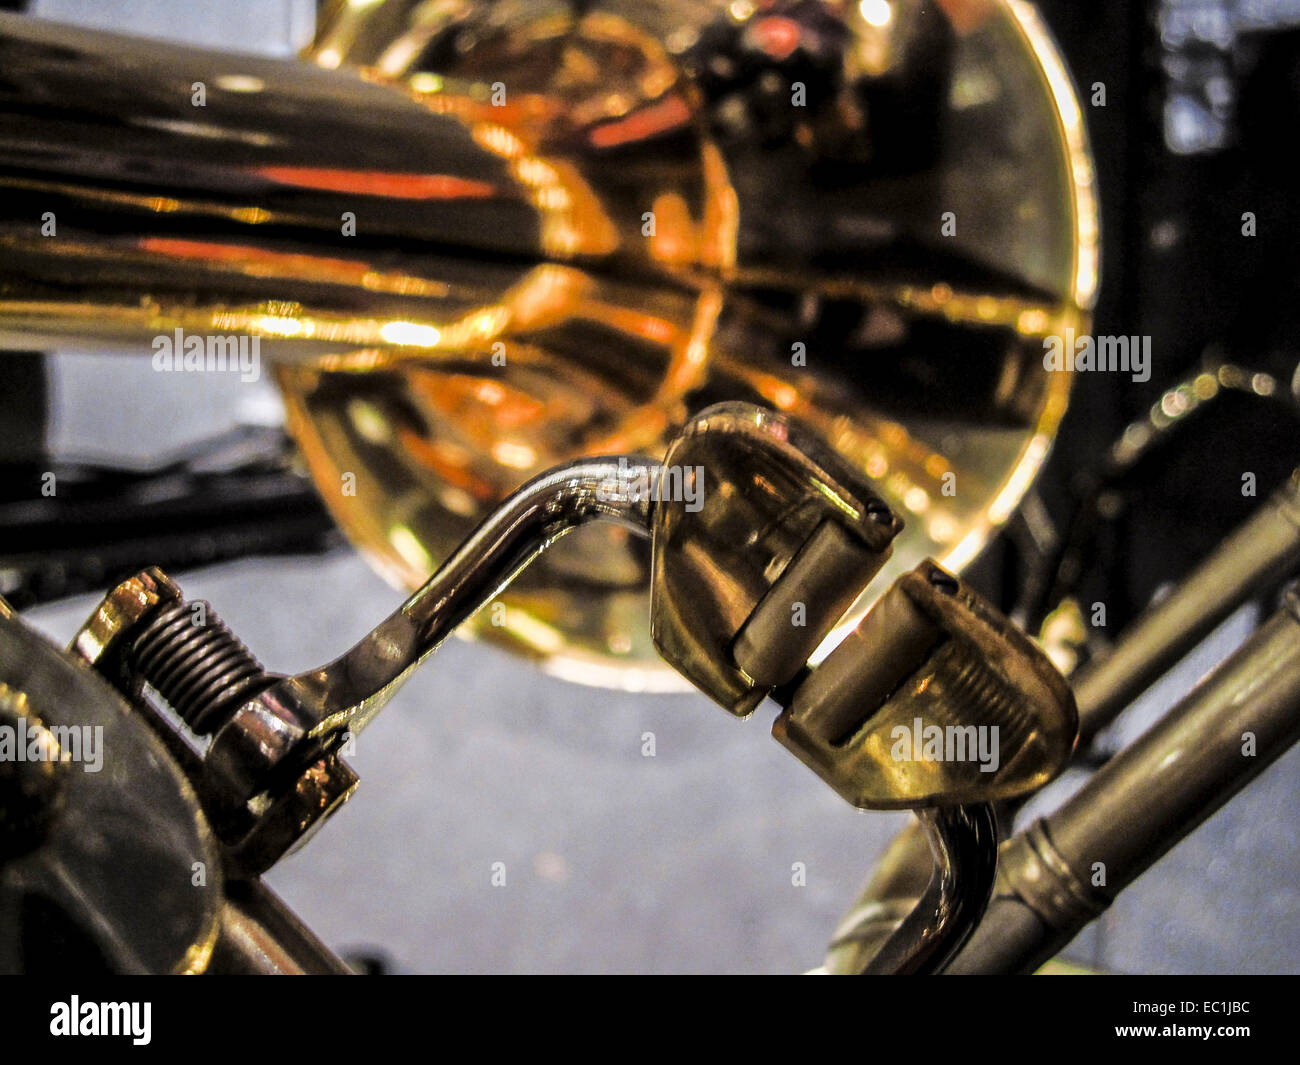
<point>480,242</point>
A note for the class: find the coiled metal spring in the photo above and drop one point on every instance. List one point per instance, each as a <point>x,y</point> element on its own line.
<point>197,664</point>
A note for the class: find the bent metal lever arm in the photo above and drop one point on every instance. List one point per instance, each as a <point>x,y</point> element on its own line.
<point>348,692</point>
<point>273,772</point>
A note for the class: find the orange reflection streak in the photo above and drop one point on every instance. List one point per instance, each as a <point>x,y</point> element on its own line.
<point>247,255</point>
<point>643,124</point>
<point>428,455</point>
<point>259,262</point>
<point>646,327</point>
<point>379,183</point>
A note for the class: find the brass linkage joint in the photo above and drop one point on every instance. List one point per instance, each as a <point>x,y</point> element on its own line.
<point>786,536</point>
<point>264,782</point>
<point>934,699</point>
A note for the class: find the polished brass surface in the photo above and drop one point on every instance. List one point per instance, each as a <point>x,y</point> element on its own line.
<point>102,642</point>
<point>742,590</point>
<point>934,699</point>
<point>504,305</point>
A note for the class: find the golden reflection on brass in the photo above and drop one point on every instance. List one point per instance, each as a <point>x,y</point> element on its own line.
<point>573,232</point>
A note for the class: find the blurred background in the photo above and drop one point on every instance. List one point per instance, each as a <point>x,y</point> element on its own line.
<point>682,862</point>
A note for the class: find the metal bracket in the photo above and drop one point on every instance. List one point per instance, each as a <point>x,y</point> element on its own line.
<point>934,699</point>
<point>784,538</point>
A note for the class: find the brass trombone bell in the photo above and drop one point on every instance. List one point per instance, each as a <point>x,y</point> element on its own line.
<point>478,240</point>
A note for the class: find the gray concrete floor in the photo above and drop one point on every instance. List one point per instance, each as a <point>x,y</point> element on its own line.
<point>614,861</point>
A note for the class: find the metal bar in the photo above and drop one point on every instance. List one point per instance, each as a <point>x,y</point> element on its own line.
<point>963,841</point>
<point>350,690</point>
<point>1264,549</point>
<point>260,935</point>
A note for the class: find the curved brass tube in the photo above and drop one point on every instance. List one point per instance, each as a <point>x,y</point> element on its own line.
<point>480,240</point>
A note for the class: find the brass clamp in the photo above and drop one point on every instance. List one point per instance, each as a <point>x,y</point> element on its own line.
<point>934,702</point>
<point>933,699</point>
<point>747,581</point>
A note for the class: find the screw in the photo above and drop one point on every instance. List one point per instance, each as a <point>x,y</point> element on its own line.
<point>879,512</point>
<point>944,582</point>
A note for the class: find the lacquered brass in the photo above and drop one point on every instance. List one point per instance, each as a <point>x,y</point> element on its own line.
<point>934,699</point>
<point>784,536</point>
<point>572,232</point>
